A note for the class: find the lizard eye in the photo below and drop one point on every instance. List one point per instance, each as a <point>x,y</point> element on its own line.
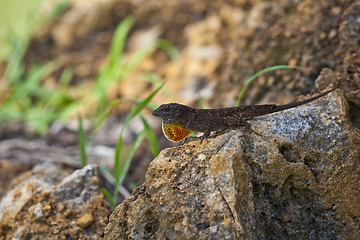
<point>170,110</point>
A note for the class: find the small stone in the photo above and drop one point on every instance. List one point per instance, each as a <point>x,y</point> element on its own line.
<point>86,220</point>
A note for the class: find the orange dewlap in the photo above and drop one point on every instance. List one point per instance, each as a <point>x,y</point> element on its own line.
<point>175,132</point>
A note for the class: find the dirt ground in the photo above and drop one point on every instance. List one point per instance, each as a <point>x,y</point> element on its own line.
<point>220,43</point>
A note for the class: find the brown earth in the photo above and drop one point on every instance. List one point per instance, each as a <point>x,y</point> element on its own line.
<point>221,44</point>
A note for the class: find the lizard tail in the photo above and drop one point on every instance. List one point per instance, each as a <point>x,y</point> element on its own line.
<point>295,104</point>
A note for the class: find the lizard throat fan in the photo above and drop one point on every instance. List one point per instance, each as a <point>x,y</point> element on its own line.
<point>175,132</point>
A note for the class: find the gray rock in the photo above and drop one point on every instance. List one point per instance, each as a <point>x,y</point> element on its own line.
<point>48,203</point>
<point>299,180</point>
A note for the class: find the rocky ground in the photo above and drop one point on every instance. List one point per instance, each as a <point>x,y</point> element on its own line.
<point>299,181</point>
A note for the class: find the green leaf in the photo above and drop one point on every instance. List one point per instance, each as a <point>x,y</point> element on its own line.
<point>151,106</point>
<point>170,48</point>
<point>201,106</point>
<point>136,110</point>
<point>126,164</point>
<point>66,77</point>
<point>106,171</point>
<point>121,165</point>
<point>82,143</point>
<point>109,197</point>
<point>155,80</point>
<point>118,42</point>
<point>152,78</point>
<point>104,115</point>
<point>118,166</point>
<point>268,69</point>
<point>135,60</point>
<point>114,65</point>
<point>151,136</point>
<point>118,158</point>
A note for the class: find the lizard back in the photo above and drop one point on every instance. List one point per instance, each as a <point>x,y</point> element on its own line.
<point>180,120</point>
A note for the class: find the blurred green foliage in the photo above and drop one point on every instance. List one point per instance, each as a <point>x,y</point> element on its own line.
<point>23,96</point>
<point>19,19</point>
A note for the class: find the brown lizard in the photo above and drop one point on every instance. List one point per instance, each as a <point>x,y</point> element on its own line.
<point>178,121</point>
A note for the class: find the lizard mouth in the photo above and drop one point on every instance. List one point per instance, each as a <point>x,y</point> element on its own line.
<point>154,113</point>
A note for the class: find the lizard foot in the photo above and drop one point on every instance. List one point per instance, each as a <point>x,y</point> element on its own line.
<point>204,136</point>
<point>188,139</point>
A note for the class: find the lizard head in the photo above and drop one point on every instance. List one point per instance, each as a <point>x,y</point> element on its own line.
<point>173,116</point>
<point>171,112</point>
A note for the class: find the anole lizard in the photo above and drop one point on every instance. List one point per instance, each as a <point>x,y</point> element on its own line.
<point>178,121</point>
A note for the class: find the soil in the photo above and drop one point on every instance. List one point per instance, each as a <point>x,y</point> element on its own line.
<point>220,43</point>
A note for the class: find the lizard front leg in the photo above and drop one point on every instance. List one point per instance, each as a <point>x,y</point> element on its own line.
<point>204,136</point>
<point>190,138</point>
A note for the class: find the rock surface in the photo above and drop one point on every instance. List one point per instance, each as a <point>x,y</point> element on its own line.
<point>221,44</point>
<point>50,202</point>
<point>299,180</point>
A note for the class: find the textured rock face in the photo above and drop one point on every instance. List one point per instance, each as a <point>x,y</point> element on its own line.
<point>48,203</point>
<point>299,180</point>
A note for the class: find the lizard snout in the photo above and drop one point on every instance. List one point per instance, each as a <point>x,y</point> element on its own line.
<point>155,113</point>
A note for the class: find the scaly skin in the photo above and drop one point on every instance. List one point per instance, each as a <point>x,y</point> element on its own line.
<point>180,120</point>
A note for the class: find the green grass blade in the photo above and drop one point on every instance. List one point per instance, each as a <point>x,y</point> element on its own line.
<point>104,115</point>
<point>126,164</point>
<point>15,66</point>
<point>118,158</point>
<point>82,143</point>
<point>121,166</point>
<point>38,118</point>
<point>134,185</point>
<point>135,60</point>
<point>59,8</point>
<point>110,179</point>
<point>145,51</point>
<point>109,197</point>
<point>114,65</point>
<point>151,106</point>
<point>136,110</point>
<point>151,136</point>
<point>118,42</point>
<point>31,85</point>
<point>66,77</point>
<point>117,166</point>
<point>10,112</point>
<point>155,80</point>
<point>268,69</point>
<point>152,78</point>
<point>201,105</point>
<point>106,171</point>
<point>170,48</point>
